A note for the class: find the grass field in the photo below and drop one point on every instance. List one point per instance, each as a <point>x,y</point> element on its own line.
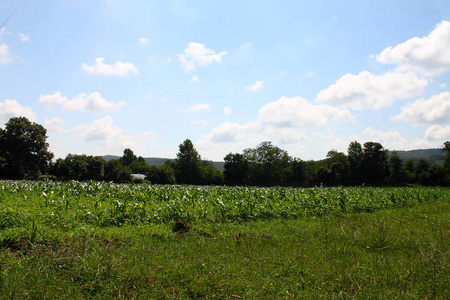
<point>100,241</point>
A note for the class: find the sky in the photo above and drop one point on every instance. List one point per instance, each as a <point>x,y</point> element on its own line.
<point>309,76</point>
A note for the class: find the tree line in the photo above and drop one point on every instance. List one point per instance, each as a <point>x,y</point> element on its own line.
<point>24,155</point>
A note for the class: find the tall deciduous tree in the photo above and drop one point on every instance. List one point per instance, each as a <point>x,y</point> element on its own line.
<point>339,166</point>
<point>188,163</point>
<point>375,165</point>
<point>269,165</point>
<point>355,158</point>
<point>397,173</point>
<point>24,149</point>
<point>236,169</point>
<point>128,157</point>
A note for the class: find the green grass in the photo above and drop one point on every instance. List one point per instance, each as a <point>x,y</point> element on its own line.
<point>385,253</point>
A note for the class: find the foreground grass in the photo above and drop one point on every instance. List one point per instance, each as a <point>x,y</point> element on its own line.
<point>393,253</point>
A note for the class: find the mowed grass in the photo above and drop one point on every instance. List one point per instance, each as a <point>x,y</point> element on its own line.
<point>389,253</point>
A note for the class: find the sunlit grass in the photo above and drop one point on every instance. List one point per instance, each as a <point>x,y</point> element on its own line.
<point>52,248</point>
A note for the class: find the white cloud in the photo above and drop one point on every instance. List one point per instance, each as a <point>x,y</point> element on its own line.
<point>5,55</point>
<point>97,138</point>
<point>390,140</point>
<point>227,110</point>
<point>93,102</point>
<point>437,133</point>
<point>299,113</point>
<point>111,138</point>
<point>120,68</point>
<point>143,40</point>
<point>367,90</point>
<point>197,55</point>
<point>198,107</point>
<point>194,79</point>
<point>54,125</point>
<point>228,132</point>
<point>257,86</point>
<point>24,38</point>
<point>433,110</point>
<point>429,55</point>
<point>282,121</point>
<point>11,108</point>
<point>50,100</point>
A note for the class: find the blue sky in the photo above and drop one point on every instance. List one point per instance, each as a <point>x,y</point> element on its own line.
<point>310,76</point>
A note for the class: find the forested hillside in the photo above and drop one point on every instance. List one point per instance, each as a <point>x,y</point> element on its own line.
<point>432,156</point>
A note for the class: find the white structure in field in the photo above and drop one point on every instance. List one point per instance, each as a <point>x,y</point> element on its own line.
<point>138,176</point>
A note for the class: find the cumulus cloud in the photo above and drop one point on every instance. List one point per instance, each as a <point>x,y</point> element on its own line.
<point>50,100</point>
<point>428,55</point>
<point>121,69</point>
<point>198,107</point>
<point>111,138</point>
<point>367,90</point>
<point>299,113</point>
<point>11,108</point>
<point>257,86</point>
<point>391,139</point>
<point>197,55</point>
<point>229,132</point>
<point>438,133</point>
<point>54,125</point>
<point>24,38</point>
<point>5,55</point>
<point>433,110</point>
<point>282,121</point>
<point>93,102</point>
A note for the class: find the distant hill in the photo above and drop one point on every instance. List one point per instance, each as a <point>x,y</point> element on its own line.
<point>432,156</point>
<point>156,161</point>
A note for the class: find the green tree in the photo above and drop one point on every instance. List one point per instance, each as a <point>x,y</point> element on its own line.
<point>375,165</point>
<point>397,173</point>
<point>165,175</point>
<point>269,165</point>
<point>116,172</point>
<point>447,162</point>
<point>422,172</point>
<point>128,157</point>
<point>79,167</point>
<point>209,174</point>
<point>23,149</point>
<point>355,159</point>
<point>340,167</point>
<point>236,169</point>
<point>438,175</point>
<point>409,170</point>
<point>187,164</point>
<point>297,172</point>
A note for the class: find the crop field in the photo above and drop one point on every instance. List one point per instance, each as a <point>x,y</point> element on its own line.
<point>92,240</point>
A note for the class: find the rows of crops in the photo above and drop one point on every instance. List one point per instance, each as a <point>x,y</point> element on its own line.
<point>62,205</point>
